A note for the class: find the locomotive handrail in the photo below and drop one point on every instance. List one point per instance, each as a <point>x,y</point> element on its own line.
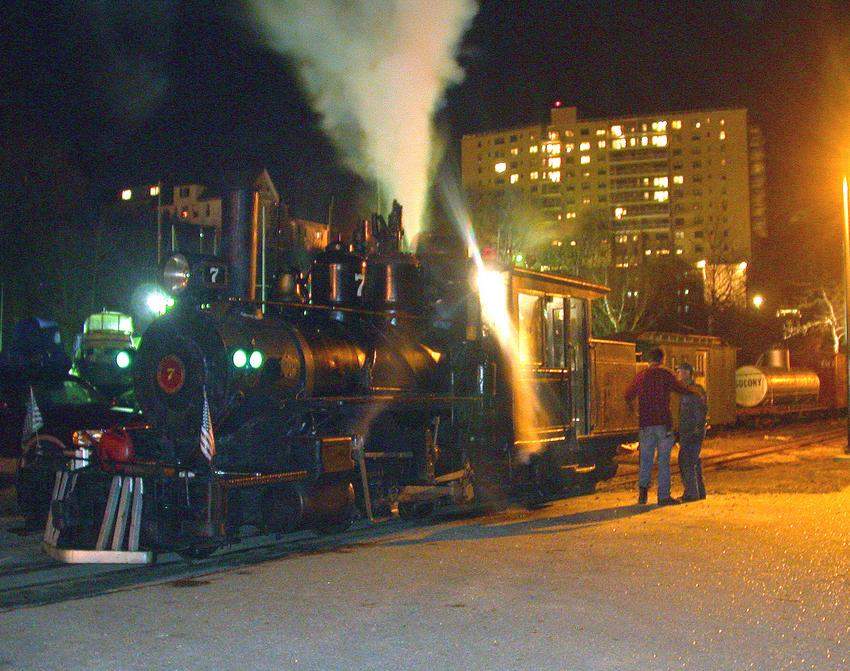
<point>330,308</point>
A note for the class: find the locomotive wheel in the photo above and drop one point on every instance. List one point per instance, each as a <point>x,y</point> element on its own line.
<point>416,510</point>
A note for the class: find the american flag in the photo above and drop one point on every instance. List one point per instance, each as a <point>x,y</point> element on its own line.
<point>207,436</point>
<point>33,421</point>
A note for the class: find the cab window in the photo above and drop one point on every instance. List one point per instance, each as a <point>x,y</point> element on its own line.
<point>529,327</point>
<point>553,323</point>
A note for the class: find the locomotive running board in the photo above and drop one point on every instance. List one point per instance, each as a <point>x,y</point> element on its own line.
<point>119,528</point>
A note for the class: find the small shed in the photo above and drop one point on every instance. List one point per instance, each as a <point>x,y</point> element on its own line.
<point>714,367</point>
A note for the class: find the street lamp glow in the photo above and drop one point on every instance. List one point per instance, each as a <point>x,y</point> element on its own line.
<point>758,301</point>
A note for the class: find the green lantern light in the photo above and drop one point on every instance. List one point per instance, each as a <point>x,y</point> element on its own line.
<point>256,359</point>
<point>122,359</point>
<point>240,358</point>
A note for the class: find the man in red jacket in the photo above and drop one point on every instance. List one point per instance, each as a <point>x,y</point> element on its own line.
<point>652,387</point>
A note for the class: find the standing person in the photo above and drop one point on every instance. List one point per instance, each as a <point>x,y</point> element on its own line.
<point>692,415</point>
<point>652,387</point>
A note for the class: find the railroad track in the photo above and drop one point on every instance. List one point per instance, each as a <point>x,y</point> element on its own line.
<point>627,473</point>
<point>42,581</point>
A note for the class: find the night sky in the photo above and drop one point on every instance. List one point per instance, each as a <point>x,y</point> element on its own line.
<point>100,94</point>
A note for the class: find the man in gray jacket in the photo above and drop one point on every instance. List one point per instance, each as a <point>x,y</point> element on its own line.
<point>692,417</point>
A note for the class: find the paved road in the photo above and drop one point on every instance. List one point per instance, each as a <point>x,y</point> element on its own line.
<point>757,576</point>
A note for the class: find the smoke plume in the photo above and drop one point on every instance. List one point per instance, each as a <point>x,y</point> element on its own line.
<point>376,71</point>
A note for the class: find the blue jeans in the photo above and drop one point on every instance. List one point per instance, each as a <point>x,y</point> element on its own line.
<point>690,466</point>
<point>652,437</point>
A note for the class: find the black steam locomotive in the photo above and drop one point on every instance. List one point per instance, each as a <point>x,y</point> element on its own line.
<point>387,388</point>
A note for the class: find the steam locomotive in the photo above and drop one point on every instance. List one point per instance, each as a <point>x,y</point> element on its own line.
<point>389,387</point>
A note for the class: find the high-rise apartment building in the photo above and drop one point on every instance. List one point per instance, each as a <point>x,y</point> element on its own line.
<point>672,183</point>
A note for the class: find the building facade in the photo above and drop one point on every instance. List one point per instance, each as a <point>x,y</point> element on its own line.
<point>689,184</point>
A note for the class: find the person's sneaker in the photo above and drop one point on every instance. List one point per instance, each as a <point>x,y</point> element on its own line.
<point>643,492</point>
<point>669,501</point>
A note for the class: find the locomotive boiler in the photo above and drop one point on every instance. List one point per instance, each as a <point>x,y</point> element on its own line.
<point>387,389</point>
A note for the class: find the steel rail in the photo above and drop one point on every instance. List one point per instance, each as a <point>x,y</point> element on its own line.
<point>714,460</point>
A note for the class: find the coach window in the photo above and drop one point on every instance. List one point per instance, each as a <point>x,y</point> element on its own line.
<point>530,341</point>
<point>553,322</point>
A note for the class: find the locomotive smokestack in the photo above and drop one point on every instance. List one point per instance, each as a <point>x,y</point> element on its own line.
<point>240,234</point>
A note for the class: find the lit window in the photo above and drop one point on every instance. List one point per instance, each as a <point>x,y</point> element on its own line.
<point>555,162</point>
<point>617,131</point>
<point>679,251</point>
<point>722,135</point>
<point>619,143</point>
<point>659,141</point>
<point>601,144</point>
<point>555,176</point>
<point>659,126</point>
<point>697,125</point>
<point>585,201</point>
<point>532,149</point>
<point>553,148</point>
<point>501,167</point>
<point>514,151</point>
<point>569,147</point>
<point>620,212</point>
<point>553,135</point>
<point>600,131</point>
<point>126,194</point>
<point>648,252</point>
<point>514,178</point>
<point>154,190</point>
<point>644,141</point>
<point>678,179</point>
<point>632,141</point>
<point>534,175</point>
<point>660,181</point>
<point>661,196</point>
<point>584,146</point>
<point>571,215</point>
<point>585,159</point>
<point>676,124</point>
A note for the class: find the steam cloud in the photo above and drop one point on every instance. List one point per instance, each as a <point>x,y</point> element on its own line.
<point>376,71</point>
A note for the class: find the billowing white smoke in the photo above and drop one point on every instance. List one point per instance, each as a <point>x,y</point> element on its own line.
<point>376,71</point>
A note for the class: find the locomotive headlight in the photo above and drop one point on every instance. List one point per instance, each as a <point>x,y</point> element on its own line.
<point>240,358</point>
<point>175,273</point>
<point>122,359</point>
<point>256,359</point>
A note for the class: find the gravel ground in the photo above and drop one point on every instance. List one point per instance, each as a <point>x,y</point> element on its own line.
<point>755,577</point>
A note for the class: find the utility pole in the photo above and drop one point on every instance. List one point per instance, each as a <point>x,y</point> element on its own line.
<point>846,239</point>
<point>2,314</point>
<point>159,223</point>
<point>263,260</point>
